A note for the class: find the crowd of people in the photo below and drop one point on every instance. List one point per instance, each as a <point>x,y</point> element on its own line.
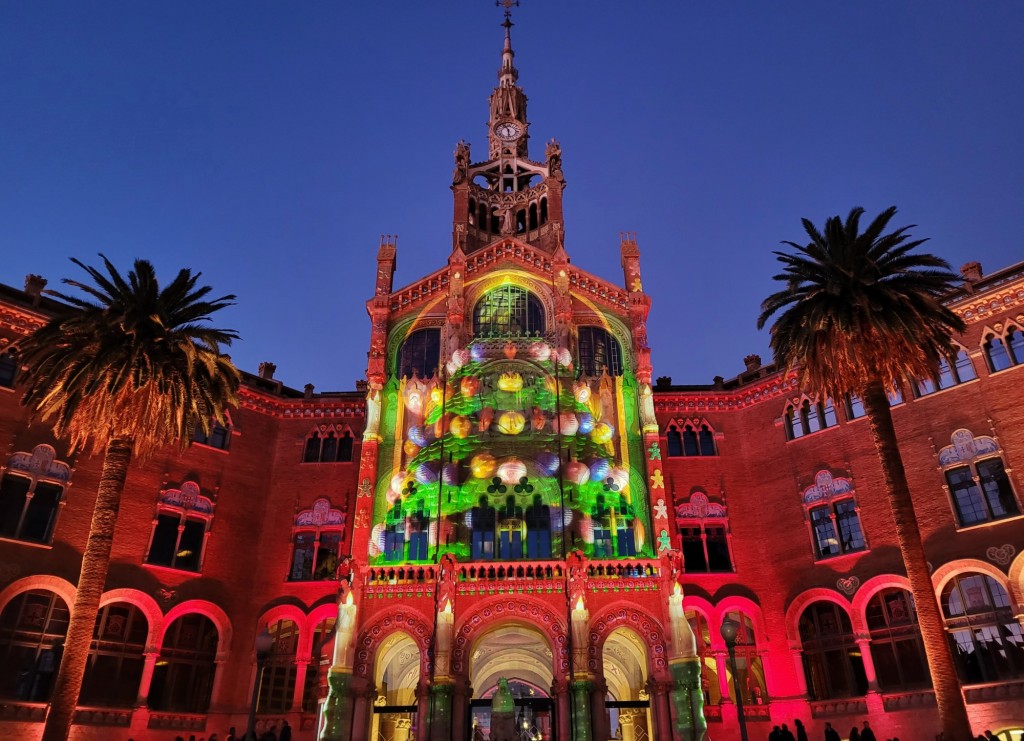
<point>856,734</point>
<point>271,734</point>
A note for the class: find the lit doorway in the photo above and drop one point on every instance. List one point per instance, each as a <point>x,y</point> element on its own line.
<point>396,673</point>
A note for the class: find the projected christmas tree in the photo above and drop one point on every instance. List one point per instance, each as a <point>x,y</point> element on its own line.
<point>506,455</point>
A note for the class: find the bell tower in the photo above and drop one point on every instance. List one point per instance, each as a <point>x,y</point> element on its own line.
<point>508,195</point>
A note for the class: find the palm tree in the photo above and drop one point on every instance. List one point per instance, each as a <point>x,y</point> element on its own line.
<point>860,312</point>
<point>127,369</point>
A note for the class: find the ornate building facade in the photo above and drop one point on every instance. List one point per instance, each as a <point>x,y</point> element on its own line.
<point>511,496</point>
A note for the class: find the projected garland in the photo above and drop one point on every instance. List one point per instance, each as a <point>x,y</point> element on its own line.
<point>512,457</point>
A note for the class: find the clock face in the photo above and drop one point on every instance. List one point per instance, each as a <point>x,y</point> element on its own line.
<point>508,130</point>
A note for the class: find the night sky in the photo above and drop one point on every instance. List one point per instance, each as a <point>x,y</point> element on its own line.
<point>270,144</point>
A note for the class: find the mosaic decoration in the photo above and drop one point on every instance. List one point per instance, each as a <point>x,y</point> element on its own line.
<point>516,456</point>
<point>965,446</point>
<point>848,585</point>
<point>1001,555</point>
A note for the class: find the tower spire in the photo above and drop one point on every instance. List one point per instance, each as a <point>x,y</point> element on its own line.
<point>508,74</point>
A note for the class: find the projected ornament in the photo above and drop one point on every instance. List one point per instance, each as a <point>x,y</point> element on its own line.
<point>512,471</point>
<point>496,486</point>
<point>567,423</point>
<point>587,529</point>
<point>510,350</point>
<point>398,482</point>
<point>417,435</point>
<point>586,422</point>
<point>410,448</point>
<point>450,474</point>
<point>482,465</point>
<point>377,537</point>
<point>523,487</point>
<point>547,463</point>
<point>564,357</point>
<point>581,391</point>
<point>477,351</point>
<point>511,423</point>
<point>469,385</point>
<point>460,357</point>
<point>460,427</point>
<point>510,382</point>
<point>576,472</point>
<point>599,469</point>
<point>426,473</point>
<point>602,433</point>
<point>484,419</point>
<point>540,351</point>
<point>620,478</point>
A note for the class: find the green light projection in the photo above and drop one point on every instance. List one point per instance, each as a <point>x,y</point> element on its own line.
<point>514,457</point>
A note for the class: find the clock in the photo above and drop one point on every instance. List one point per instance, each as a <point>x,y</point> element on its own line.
<point>508,131</point>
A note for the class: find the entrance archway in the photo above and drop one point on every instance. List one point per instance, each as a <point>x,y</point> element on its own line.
<point>624,658</point>
<point>522,655</point>
<point>396,673</point>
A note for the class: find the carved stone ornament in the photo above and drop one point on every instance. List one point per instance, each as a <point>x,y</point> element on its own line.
<point>848,585</point>
<point>1001,554</point>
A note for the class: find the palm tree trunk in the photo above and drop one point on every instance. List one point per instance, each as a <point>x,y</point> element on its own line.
<point>91,582</point>
<point>948,697</point>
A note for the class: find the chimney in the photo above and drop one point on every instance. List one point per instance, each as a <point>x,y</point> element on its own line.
<point>663,382</point>
<point>266,370</point>
<point>308,391</point>
<point>34,285</point>
<point>753,362</point>
<point>971,272</point>
<point>719,383</point>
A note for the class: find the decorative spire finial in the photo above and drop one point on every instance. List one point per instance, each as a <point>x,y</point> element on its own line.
<point>507,74</point>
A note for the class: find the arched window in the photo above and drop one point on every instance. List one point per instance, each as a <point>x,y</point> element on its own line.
<point>997,355</point>
<point>690,441</point>
<point>855,405</point>
<point>543,210</point>
<point>599,352</point>
<point>674,440</point>
<point>508,311</point>
<point>533,216</point>
<point>978,485</point>
<point>328,444</point>
<point>8,370</point>
<point>183,676</point>
<point>833,515</point>
<point>947,375</point>
<point>179,533</point>
<point>116,658</point>
<point>319,663</point>
<point>420,354</point>
<point>1015,345</point>
<point>277,688</point>
<point>896,646</point>
<point>316,542</point>
<point>32,630</point>
<point>706,439</point>
<point>708,664</point>
<point>472,211</point>
<point>809,417</point>
<point>832,660</point>
<point>704,530</point>
<point>31,495</point>
<point>219,436</point>
<point>749,670</point>
<point>986,639</point>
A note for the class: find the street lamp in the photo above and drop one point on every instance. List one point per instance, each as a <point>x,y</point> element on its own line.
<point>264,642</point>
<point>729,630</point>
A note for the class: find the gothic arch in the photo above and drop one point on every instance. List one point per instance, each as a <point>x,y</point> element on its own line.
<point>146,604</point>
<point>521,609</point>
<point>749,608</point>
<point>799,604</point>
<point>313,619</point>
<point>405,620</point>
<point>283,612</point>
<point>1017,579</point>
<point>623,615</point>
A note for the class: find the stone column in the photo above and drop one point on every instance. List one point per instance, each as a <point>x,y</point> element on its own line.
<point>149,664</point>
<point>462,693</point>
<point>798,659</point>
<point>362,707</point>
<point>301,667</point>
<point>441,711</point>
<point>662,718</point>
<point>337,714</point>
<point>403,729</point>
<point>688,698</point>
<point>217,686</point>
<point>600,713</point>
<point>864,644</point>
<point>560,692</point>
<point>581,720</point>
<point>724,668</point>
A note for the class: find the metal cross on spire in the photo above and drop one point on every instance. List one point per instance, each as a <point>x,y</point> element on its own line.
<point>508,5</point>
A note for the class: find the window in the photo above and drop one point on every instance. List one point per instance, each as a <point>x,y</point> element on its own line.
<point>1005,352</point>
<point>8,370</point>
<point>508,311</point>
<point>978,484</point>
<point>599,352</point>
<point>809,417</point>
<point>896,646</point>
<point>986,639</point>
<point>704,527</point>
<point>749,670</point>
<point>184,672</point>
<point>218,437</point>
<point>696,439</point>
<point>420,354</point>
<point>31,495</point>
<point>961,371</point>
<point>179,533</point>
<point>116,658</point>
<point>833,516</point>
<point>277,688</point>
<point>832,660</point>
<point>316,542</point>
<point>855,405</point>
<point>32,630</point>
<point>328,444</point>
<point>319,663</point>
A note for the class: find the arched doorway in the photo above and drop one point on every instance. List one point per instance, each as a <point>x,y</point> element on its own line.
<point>520,654</point>
<point>625,661</point>
<point>396,673</point>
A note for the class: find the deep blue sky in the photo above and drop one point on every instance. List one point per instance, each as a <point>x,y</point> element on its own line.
<point>269,144</point>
